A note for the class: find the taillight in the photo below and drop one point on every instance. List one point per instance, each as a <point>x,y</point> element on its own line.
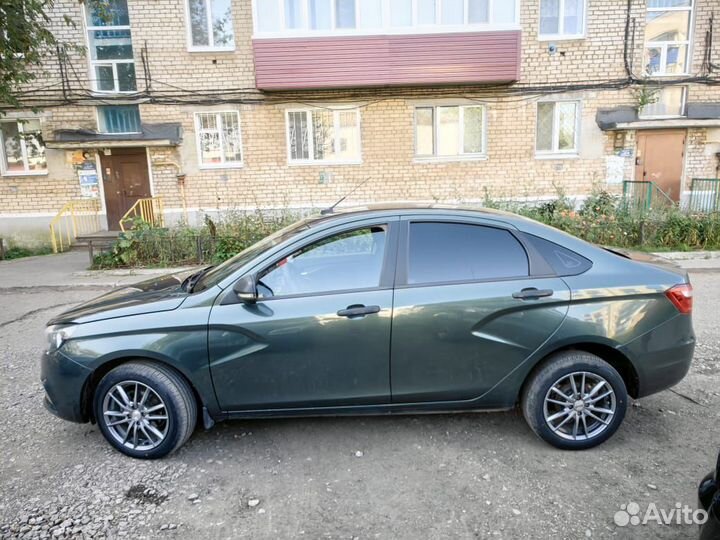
<point>682,297</point>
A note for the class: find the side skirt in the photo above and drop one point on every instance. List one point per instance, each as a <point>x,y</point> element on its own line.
<point>362,410</point>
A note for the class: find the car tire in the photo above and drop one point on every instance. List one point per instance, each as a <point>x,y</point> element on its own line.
<point>563,400</point>
<point>144,409</point>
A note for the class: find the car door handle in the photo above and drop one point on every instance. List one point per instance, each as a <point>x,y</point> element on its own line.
<point>358,310</point>
<point>532,293</point>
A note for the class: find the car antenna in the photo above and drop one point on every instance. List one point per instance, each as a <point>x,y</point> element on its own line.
<point>331,209</point>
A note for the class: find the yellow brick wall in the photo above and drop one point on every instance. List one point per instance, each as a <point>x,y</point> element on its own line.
<point>510,170</point>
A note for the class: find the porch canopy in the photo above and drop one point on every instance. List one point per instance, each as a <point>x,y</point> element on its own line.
<point>622,118</point>
<point>151,135</point>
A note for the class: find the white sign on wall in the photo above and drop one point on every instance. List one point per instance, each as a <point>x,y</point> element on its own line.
<point>615,167</point>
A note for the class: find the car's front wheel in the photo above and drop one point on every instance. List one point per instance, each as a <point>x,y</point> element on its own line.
<point>145,410</point>
<point>575,401</point>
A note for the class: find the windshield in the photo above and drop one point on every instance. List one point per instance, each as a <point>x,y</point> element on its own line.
<point>222,271</point>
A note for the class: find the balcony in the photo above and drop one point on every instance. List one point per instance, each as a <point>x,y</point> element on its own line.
<point>387,60</point>
<point>314,44</point>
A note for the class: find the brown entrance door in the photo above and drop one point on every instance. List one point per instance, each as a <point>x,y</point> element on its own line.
<point>125,181</point>
<point>660,159</point>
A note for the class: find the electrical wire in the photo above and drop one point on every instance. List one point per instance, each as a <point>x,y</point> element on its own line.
<point>77,90</point>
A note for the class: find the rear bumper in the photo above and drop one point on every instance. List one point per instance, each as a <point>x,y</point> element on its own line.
<point>662,357</point>
<point>64,381</point>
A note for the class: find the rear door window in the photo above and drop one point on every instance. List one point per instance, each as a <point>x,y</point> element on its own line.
<point>457,252</point>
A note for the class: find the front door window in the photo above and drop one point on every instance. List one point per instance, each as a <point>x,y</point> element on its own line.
<point>347,261</point>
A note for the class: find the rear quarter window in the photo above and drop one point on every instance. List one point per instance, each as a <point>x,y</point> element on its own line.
<point>563,261</point>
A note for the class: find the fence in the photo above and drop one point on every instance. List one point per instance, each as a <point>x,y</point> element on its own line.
<point>704,195</point>
<point>644,195</point>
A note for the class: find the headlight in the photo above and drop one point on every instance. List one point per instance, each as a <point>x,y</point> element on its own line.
<point>57,335</point>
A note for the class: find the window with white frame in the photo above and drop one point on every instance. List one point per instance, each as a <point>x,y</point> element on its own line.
<point>218,139</point>
<point>667,37</point>
<point>667,102</point>
<point>210,25</point>
<point>22,150</point>
<point>450,131</point>
<point>323,135</point>
<point>278,17</point>
<point>110,46</point>
<point>557,127</point>
<point>562,19</point>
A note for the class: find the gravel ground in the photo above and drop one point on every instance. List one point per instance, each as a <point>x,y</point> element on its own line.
<point>439,476</point>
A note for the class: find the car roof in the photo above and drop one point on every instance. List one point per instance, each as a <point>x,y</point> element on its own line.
<point>409,208</point>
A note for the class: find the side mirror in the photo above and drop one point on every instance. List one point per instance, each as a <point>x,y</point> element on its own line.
<point>246,289</point>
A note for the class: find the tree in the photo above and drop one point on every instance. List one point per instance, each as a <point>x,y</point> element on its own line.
<point>26,42</point>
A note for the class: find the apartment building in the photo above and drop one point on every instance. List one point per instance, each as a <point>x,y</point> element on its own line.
<point>242,104</point>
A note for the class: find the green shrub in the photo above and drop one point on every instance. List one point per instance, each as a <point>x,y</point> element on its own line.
<point>181,245</point>
<point>603,219</point>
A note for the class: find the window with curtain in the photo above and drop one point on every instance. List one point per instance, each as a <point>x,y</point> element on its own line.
<point>557,127</point>
<point>22,150</point>
<point>447,131</point>
<point>323,136</point>
<point>562,19</point>
<point>119,119</point>
<point>667,37</point>
<point>219,139</point>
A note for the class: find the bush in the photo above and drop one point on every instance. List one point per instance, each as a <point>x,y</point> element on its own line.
<point>182,245</point>
<point>602,219</point>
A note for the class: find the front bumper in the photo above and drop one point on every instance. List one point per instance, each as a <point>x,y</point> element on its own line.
<point>64,381</point>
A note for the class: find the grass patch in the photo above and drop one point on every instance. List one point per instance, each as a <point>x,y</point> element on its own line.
<point>19,252</point>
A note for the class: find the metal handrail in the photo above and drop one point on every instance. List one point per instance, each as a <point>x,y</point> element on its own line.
<point>644,193</point>
<point>149,210</point>
<point>75,218</point>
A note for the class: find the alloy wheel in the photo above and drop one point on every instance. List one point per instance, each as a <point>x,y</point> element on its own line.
<point>579,406</point>
<point>135,415</point>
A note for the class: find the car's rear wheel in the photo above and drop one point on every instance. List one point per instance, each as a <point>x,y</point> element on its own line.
<point>575,401</point>
<point>145,410</point>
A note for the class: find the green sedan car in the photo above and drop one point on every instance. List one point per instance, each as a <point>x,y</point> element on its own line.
<point>403,309</point>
